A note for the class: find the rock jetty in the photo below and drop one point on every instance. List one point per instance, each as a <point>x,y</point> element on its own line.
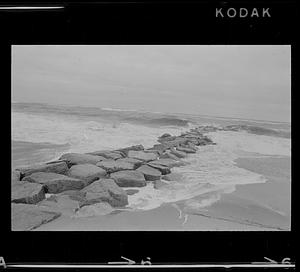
<point>79,184</point>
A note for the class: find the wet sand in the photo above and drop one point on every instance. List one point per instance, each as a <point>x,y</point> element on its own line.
<point>251,207</point>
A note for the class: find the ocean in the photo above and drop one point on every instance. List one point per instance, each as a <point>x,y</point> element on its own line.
<point>43,132</point>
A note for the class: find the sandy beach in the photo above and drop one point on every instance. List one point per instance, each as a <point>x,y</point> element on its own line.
<point>251,207</point>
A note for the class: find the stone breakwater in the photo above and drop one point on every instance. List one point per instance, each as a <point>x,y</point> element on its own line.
<point>84,184</point>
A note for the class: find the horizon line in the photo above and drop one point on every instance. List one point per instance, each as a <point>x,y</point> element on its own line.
<point>147,111</point>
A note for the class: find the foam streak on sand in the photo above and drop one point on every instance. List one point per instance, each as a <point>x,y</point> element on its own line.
<point>209,173</point>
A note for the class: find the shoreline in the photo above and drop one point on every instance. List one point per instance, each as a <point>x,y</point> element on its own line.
<point>217,217</point>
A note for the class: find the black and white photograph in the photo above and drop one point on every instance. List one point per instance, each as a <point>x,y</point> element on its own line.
<point>151,137</point>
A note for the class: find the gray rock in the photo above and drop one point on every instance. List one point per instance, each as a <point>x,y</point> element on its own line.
<point>129,178</point>
<point>165,135</point>
<point>76,158</point>
<point>159,147</point>
<point>150,173</point>
<point>168,162</point>
<point>168,155</point>
<point>26,192</point>
<point>136,163</point>
<point>157,152</point>
<point>131,191</point>
<point>113,166</point>
<point>107,154</point>
<point>163,169</point>
<point>55,183</point>
<point>191,145</point>
<point>105,190</point>
<point>177,153</point>
<point>86,172</point>
<point>185,149</point>
<point>176,142</point>
<point>119,195</point>
<point>28,216</point>
<point>130,148</point>
<point>63,204</point>
<point>141,155</point>
<point>75,195</point>
<point>53,167</point>
<point>166,139</point>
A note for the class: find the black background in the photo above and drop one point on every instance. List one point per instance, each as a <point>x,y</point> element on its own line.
<point>139,23</point>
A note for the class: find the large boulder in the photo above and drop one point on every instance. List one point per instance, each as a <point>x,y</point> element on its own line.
<point>191,145</point>
<point>130,148</point>
<point>166,139</point>
<point>74,195</point>
<point>59,167</point>
<point>26,192</point>
<point>150,173</point>
<point>107,154</point>
<point>167,162</point>
<point>119,195</point>
<point>185,149</point>
<point>176,142</point>
<point>76,158</point>
<point>160,148</point>
<point>165,135</point>
<point>28,216</point>
<point>61,203</point>
<point>113,166</point>
<point>131,191</point>
<point>168,155</point>
<point>105,190</point>
<point>141,155</point>
<point>55,183</point>
<point>193,140</point>
<point>86,172</point>
<point>177,153</point>
<point>136,163</point>
<point>129,178</point>
<point>163,169</point>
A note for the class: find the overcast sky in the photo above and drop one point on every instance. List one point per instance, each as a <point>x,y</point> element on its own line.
<point>231,81</point>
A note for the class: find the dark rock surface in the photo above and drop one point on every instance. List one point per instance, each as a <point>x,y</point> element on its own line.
<point>27,192</point>
<point>105,190</point>
<point>149,173</point>
<point>136,163</point>
<point>55,183</point>
<point>55,167</point>
<point>107,154</point>
<point>129,178</point>
<point>163,169</point>
<point>77,158</point>
<point>131,191</point>
<point>86,172</point>
<point>185,149</point>
<point>143,156</point>
<point>113,166</point>
<point>133,148</point>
